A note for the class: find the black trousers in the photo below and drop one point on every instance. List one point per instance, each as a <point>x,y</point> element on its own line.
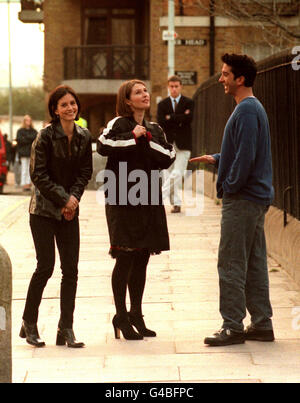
<point>45,231</point>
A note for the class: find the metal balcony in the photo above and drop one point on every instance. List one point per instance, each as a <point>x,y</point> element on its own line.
<point>106,62</point>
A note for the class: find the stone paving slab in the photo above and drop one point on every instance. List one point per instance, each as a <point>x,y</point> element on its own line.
<point>180,303</point>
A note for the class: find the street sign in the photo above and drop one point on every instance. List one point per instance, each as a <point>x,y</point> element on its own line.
<point>187,77</point>
<point>169,35</point>
<point>189,42</point>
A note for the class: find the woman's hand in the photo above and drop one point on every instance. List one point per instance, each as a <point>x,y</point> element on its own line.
<point>68,214</point>
<point>207,159</point>
<point>72,203</point>
<point>139,131</point>
<point>69,210</point>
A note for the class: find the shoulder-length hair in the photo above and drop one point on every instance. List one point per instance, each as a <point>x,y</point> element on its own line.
<point>23,123</point>
<point>122,107</point>
<point>55,96</point>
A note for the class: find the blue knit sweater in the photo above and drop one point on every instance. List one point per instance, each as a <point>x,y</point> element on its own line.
<point>245,162</point>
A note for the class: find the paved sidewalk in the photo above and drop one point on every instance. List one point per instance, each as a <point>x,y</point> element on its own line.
<point>180,304</point>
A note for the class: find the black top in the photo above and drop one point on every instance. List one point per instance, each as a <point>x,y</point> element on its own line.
<point>178,127</point>
<point>25,138</point>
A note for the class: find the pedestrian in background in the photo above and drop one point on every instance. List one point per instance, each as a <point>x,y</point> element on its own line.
<point>137,228</point>
<point>81,122</point>
<point>175,114</point>
<point>60,168</point>
<point>245,185</point>
<point>9,151</point>
<point>25,137</point>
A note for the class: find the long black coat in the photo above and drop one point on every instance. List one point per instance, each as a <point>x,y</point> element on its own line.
<point>178,127</point>
<point>134,210</point>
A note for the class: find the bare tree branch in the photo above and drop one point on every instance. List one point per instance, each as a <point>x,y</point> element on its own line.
<point>256,10</point>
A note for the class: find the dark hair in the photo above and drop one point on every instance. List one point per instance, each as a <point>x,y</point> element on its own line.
<point>241,65</point>
<point>122,107</point>
<point>55,96</point>
<point>175,79</point>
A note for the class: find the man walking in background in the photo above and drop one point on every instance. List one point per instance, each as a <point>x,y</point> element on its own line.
<point>174,115</point>
<point>245,185</point>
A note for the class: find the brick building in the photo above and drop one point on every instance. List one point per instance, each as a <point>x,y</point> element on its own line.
<point>94,45</point>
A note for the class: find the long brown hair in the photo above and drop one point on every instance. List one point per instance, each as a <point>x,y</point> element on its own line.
<point>122,108</point>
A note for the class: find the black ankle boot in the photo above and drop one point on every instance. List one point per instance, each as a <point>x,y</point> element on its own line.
<point>66,336</point>
<point>138,322</point>
<point>30,332</point>
<point>122,324</point>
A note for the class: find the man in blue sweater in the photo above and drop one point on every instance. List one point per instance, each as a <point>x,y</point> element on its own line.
<point>245,185</point>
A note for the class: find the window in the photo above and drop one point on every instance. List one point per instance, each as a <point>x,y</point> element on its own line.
<point>259,51</point>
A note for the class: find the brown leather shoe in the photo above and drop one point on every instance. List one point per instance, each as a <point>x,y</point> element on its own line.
<point>176,209</point>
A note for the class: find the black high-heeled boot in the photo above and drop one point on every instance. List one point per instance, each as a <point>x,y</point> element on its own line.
<point>66,336</point>
<point>30,332</point>
<point>122,324</point>
<point>138,322</point>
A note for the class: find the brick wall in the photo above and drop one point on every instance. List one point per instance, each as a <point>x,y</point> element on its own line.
<point>230,38</point>
<point>63,28</point>
<point>187,58</point>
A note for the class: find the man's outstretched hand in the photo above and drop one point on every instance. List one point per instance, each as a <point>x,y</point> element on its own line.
<point>206,159</point>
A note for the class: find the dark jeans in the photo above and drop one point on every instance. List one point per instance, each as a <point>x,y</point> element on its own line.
<point>242,265</point>
<point>66,233</point>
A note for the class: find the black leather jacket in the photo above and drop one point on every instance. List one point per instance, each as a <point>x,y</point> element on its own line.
<point>56,173</point>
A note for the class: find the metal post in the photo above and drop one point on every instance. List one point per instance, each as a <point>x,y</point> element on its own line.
<point>10,104</point>
<point>171,43</point>
<point>212,38</point>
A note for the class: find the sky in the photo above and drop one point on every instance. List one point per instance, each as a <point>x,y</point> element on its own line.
<point>27,49</point>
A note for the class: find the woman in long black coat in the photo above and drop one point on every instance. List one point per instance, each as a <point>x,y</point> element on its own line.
<point>137,150</point>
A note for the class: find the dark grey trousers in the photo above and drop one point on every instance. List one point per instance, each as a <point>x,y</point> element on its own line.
<point>242,265</point>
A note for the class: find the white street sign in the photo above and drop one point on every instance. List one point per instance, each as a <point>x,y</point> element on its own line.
<point>169,35</point>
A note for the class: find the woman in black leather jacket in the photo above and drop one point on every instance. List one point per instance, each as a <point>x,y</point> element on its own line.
<point>60,168</point>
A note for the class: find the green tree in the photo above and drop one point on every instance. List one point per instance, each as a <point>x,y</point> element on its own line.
<point>29,101</point>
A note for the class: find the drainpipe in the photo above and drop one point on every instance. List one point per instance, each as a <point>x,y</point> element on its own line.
<point>181,8</point>
<point>212,38</point>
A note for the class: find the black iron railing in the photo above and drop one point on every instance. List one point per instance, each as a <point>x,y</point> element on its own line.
<point>106,62</point>
<point>277,86</point>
